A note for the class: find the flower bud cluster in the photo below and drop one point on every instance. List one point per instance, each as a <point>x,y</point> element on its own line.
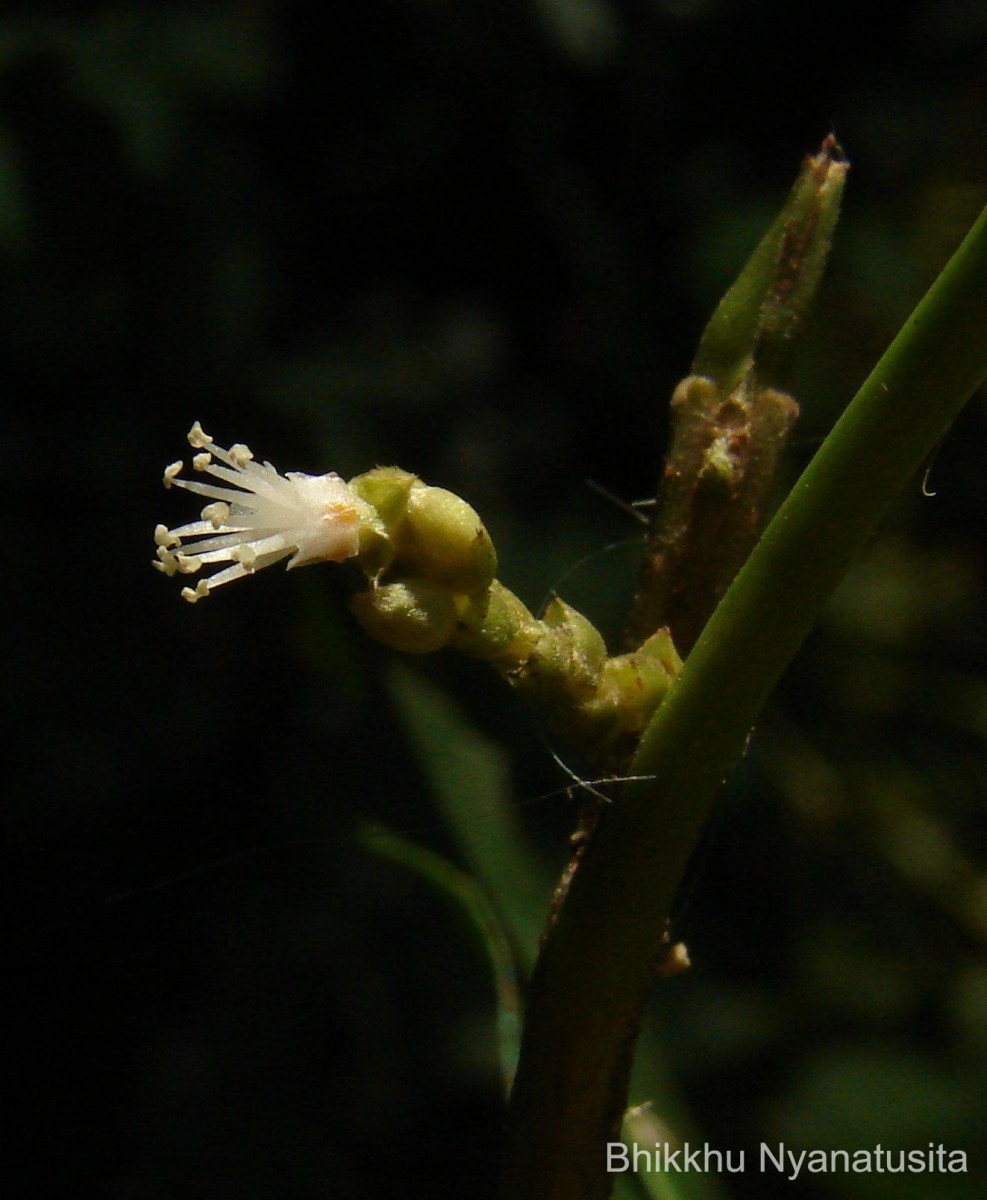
<point>432,584</point>
<point>429,568</point>
<point>432,563</point>
<point>595,702</point>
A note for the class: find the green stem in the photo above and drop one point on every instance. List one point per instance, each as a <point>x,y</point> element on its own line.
<point>595,971</point>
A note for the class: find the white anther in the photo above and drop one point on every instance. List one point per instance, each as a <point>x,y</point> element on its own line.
<point>216,514</point>
<point>199,592</point>
<point>186,563</point>
<point>241,454</point>
<point>198,439</point>
<point>171,471</point>
<point>201,461</point>
<point>245,555</point>
<point>164,537</point>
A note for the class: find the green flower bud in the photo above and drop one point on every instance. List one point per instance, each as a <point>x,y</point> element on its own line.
<point>637,684</point>
<point>566,659</point>
<point>497,627</point>
<point>386,490</point>
<point>416,616</point>
<point>444,539</point>
<point>638,681</point>
<point>586,649</point>
<point>661,648</point>
<point>630,688</point>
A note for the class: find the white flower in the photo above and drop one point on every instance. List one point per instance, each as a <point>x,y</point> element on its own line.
<point>262,518</point>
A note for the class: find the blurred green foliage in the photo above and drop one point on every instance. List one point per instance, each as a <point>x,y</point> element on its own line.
<point>479,240</point>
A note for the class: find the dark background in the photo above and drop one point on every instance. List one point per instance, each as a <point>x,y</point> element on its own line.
<point>480,240</point>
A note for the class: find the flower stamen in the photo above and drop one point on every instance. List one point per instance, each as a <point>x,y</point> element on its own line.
<point>256,517</point>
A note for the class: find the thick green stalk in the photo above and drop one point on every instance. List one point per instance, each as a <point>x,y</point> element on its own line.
<point>468,778</point>
<point>595,971</point>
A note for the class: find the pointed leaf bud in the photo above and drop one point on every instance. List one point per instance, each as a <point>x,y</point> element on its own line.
<point>730,420</point>
<point>756,320</point>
